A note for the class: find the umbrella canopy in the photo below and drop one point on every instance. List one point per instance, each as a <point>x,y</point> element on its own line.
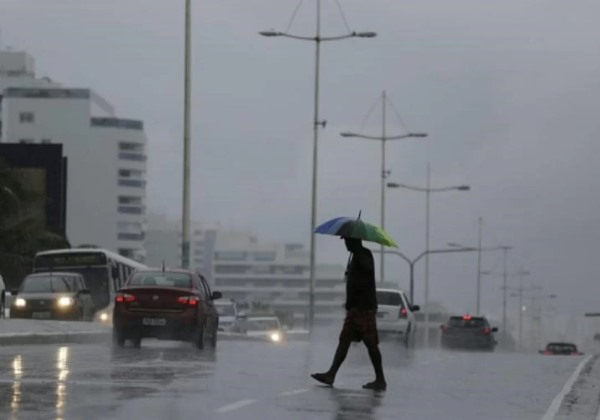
<point>349,227</point>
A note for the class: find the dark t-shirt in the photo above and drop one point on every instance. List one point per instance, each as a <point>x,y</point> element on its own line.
<point>360,284</point>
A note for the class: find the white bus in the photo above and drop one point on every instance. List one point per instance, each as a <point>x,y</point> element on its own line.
<point>104,271</point>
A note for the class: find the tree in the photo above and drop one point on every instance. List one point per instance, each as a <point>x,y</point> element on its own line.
<point>22,234</point>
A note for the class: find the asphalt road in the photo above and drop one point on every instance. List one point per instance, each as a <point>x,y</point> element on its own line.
<point>260,380</point>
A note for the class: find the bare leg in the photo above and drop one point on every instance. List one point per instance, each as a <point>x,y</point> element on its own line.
<point>340,355</point>
<point>376,359</point>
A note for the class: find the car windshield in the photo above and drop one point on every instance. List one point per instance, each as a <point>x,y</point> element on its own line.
<point>160,279</point>
<point>47,284</point>
<point>465,322</point>
<point>389,298</point>
<point>562,347</point>
<point>262,324</point>
<point>226,309</point>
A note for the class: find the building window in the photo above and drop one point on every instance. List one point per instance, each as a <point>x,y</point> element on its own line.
<point>129,227</point>
<point>265,256</point>
<point>124,199</point>
<point>140,157</point>
<point>131,147</point>
<point>26,141</point>
<point>131,209</point>
<point>130,236</point>
<point>132,183</point>
<point>230,255</point>
<point>26,117</point>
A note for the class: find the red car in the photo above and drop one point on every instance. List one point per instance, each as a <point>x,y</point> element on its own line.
<point>167,305</point>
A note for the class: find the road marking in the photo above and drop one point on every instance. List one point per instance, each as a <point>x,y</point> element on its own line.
<point>235,406</point>
<point>295,392</point>
<point>557,402</point>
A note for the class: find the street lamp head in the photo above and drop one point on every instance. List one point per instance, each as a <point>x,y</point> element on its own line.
<point>418,134</point>
<point>269,33</point>
<point>393,185</point>
<point>365,34</point>
<point>463,188</point>
<point>347,134</point>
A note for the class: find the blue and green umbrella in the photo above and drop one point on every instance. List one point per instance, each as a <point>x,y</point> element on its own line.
<point>350,227</point>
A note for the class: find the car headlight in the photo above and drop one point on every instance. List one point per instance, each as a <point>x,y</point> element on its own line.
<point>20,303</point>
<point>275,337</point>
<point>103,317</point>
<point>65,301</point>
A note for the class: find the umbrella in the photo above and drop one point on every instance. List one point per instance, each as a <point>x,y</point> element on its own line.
<point>350,227</point>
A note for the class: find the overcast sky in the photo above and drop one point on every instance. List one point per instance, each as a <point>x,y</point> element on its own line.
<point>508,91</point>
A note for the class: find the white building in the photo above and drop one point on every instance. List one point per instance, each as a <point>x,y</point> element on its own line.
<point>106,180</point>
<point>163,244</point>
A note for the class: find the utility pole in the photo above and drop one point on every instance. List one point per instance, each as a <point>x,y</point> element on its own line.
<point>478,303</point>
<point>383,177</point>
<point>504,290</point>
<point>185,219</point>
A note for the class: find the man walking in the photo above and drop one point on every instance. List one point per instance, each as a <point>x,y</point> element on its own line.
<point>361,309</point>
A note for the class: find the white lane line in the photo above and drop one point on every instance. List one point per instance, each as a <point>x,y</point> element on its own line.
<point>294,392</point>
<point>236,406</point>
<point>557,402</point>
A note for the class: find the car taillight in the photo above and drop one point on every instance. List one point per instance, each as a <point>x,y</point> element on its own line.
<point>188,300</point>
<point>402,313</point>
<point>124,297</point>
<point>486,331</point>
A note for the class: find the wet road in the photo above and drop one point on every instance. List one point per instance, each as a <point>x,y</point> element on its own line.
<point>255,380</point>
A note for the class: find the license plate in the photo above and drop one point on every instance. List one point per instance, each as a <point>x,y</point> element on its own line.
<point>381,314</point>
<point>40,315</point>
<point>154,321</point>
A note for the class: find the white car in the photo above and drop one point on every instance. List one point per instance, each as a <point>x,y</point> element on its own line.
<point>228,315</point>
<point>267,327</point>
<point>395,315</point>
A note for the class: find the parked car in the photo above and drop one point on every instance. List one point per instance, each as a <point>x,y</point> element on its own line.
<point>228,314</point>
<point>267,327</point>
<point>468,332</point>
<point>167,305</point>
<point>561,348</point>
<point>55,295</point>
<point>395,315</point>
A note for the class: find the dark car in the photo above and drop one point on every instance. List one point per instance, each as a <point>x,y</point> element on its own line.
<point>561,348</point>
<point>55,295</point>
<point>468,332</point>
<point>167,305</point>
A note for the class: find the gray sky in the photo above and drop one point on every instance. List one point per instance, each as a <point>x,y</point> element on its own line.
<point>508,92</point>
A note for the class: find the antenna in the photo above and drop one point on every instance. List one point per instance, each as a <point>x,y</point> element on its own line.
<point>163,266</point>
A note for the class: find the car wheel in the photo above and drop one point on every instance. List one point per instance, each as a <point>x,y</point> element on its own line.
<point>118,338</point>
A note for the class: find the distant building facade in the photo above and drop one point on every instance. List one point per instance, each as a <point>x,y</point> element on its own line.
<point>106,186</point>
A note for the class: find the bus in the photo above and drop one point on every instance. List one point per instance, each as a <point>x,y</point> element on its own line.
<point>104,271</point>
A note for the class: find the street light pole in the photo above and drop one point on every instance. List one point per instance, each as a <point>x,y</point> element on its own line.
<point>317,39</point>
<point>427,229</point>
<point>185,218</point>
<point>478,302</point>
<point>383,176</point>
<point>384,172</point>
<point>504,290</point>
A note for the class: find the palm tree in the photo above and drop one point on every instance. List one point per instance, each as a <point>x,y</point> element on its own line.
<point>21,234</point>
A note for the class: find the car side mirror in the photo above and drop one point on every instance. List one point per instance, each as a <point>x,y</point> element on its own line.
<point>441,327</point>
<point>541,352</point>
<point>217,295</point>
<point>416,308</point>
<point>495,329</point>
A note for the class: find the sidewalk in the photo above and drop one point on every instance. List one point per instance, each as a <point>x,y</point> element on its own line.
<point>27,331</point>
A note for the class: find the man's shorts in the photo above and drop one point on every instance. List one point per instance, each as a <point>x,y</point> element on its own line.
<point>360,326</point>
